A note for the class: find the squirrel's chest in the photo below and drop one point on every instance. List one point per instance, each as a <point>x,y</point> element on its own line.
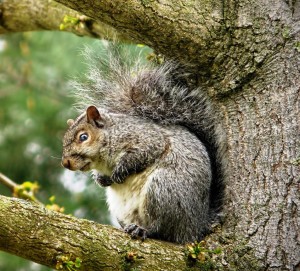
<point>127,201</point>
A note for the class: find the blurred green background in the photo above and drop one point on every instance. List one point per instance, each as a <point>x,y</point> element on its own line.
<point>35,103</point>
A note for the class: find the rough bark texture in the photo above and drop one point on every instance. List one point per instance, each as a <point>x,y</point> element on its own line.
<point>35,233</point>
<point>263,190</point>
<point>262,118</point>
<point>191,31</point>
<point>247,57</point>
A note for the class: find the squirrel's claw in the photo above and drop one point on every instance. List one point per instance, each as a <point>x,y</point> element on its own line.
<point>136,231</point>
<point>103,180</point>
<point>119,175</point>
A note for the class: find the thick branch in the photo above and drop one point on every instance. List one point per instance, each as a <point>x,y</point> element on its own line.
<point>36,15</point>
<point>171,27</point>
<point>35,233</point>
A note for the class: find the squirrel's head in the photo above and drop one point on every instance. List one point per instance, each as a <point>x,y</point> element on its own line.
<point>83,140</point>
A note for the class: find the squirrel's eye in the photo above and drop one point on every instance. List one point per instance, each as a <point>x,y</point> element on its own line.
<point>83,137</point>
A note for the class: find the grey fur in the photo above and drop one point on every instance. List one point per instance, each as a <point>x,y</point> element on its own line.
<point>163,130</point>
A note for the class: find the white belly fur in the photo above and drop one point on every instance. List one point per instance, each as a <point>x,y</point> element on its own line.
<point>126,201</point>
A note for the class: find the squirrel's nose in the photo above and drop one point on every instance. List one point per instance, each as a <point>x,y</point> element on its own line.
<point>66,163</point>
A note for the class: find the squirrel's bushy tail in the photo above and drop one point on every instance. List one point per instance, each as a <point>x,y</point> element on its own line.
<point>156,93</point>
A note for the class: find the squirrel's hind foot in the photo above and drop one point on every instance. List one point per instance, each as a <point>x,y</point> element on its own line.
<point>136,231</point>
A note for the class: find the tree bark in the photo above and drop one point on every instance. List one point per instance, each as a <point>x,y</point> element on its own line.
<point>245,54</point>
<point>263,188</point>
<point>29,230</point>
<point>40,15</point>
<point>190,31</point>
<point>33,232</point>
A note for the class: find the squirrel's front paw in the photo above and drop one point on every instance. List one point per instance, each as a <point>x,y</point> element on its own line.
<point>136,231</point>
<point>119,175</point>
<point>103,180</point>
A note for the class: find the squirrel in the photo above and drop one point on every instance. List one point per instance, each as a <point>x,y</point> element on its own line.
<point>154,143</point>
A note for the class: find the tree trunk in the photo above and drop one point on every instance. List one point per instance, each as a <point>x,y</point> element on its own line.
<point>263,189</point>
<point>246,55</point>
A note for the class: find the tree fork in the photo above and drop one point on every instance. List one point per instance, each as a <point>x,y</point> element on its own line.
<point>30,231</point>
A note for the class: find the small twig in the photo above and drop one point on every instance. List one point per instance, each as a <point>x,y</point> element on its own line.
<point>8,182</point>
<point>27,191</point>
<point>17,190</point>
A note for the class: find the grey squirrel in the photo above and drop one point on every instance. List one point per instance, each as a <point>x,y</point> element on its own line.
<point>154,143</point>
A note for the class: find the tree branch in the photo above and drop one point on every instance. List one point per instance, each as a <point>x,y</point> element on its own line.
<point>36,15</point>
<point>30,231</point>
<point>171,27</point>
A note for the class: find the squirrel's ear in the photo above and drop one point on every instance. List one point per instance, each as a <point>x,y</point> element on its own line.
<point>70,122</point>
<point>93,116</point>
